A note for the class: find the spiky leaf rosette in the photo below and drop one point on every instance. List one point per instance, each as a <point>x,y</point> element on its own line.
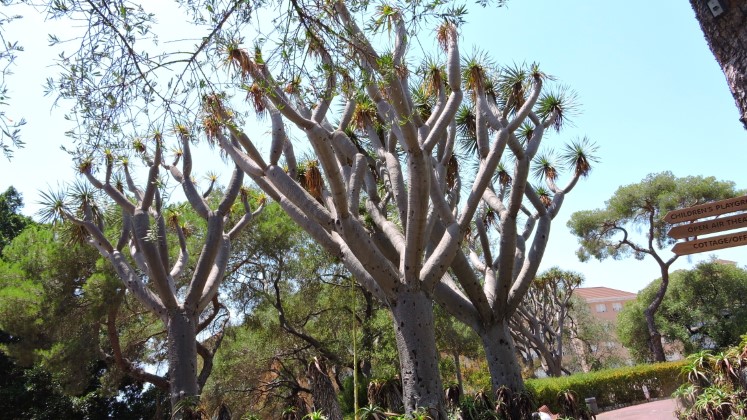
<point>475,70</point>
<point>545,167</point>
<point>490,218</point>
<point>53,205</point>
<point>504,178</point>
<point>580,155</point>
<point>545,195</point>
<point>239,59</point>
<point>434,76</point>
<point>513,83</point>
<point>255,95</point>
<point>365,112</point>
<point>310,178</point>
<point>172,216</point>
<point>525,133</point>
<point>466,123</point>
<point>563,101</point>
<point>422,102</point>
<point>444,33</point>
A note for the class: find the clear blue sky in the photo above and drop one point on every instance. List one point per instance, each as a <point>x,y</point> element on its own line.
<point>653,99</point>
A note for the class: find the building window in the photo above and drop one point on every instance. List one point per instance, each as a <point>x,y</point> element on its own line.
<point>617,307</point>
<point>601,307</point>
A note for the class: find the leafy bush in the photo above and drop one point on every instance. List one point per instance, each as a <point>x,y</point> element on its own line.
<point>611,387</point>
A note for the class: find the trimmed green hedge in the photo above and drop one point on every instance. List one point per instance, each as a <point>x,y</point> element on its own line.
<point>611,387</point>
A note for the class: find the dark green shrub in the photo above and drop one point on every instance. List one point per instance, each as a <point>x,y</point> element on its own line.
<point>611,387</point>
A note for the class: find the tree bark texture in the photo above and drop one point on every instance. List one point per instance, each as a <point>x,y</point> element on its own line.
<point>182,356</point>
<point>726,35</point>
<point>501,357</point>
<point>654,336</point>
<point>323,392</point>
<point>654,340</point>
<point>416,343</point>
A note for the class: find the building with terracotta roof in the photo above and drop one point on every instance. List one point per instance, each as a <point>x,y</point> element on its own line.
<point>604,303</point>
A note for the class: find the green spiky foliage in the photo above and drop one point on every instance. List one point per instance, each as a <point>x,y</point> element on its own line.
<point>545,167</point>
<point>433,74</point>
<point>525,132</point>
<point>476,70</point>
<point>513,83</point>
<point>715,387</point>
<point>365,112</point>
<point>422,101</point>
<point>545,195</point>
<point>466,123</point>
<point>384,18</point>
<point>502,175</point>
<point>562,102</point>
<point>52,204</point>
<point>580,154</point>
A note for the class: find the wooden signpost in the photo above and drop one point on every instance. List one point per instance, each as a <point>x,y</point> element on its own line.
<point>709,226</point>
<point>711,244</point>
<point>730,205</point>
<point>693,230</point>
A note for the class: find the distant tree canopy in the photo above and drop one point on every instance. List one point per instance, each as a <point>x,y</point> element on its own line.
<point>12,222</point>
<point>52,294</point>
<point>611,231</point>
<point>704,310</point>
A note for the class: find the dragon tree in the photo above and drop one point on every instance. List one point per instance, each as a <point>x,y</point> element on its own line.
<point>178,290</point>
<point>386,192</point>
<point>386,195</point>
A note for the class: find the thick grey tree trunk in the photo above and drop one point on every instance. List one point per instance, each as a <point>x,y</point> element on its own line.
<point>182,357</point>
<point>726,35</point>
<point>501,357</point>
<point>416,342</point>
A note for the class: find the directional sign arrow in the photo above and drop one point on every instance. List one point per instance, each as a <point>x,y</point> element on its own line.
<point>711,244</point>
<point>730,205</point>
<point>709,226</point>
